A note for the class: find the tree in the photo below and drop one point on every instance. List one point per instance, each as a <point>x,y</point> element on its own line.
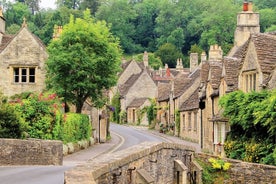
<point>71,4</point>
<point>168,54</point>
<point>84,61</point>
<point>121,15</point>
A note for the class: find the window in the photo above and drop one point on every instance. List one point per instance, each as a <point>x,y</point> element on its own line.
<point>183,120</point>
<point>190,121</point>
<point>195,121</point>
<point>24,75</point>
<point>250,82</point>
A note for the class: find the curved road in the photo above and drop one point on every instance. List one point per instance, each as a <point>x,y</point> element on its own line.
<point>125,136</point>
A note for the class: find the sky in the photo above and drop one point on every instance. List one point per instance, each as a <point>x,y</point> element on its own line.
<point>48,4</point>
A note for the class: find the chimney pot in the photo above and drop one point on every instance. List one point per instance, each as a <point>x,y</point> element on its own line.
<point>245,6</point>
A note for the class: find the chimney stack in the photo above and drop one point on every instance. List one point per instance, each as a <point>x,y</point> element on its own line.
<point>215,52</point>
<point>193,61</point>
<point>146,59</point>
<point>203,57</point>
<point>248,22</point>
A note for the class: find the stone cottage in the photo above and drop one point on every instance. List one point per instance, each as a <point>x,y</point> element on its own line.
<point>136,87</point>
<point>22,58</point>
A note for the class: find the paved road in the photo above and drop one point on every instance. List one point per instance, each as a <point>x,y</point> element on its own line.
<point>122,137</point>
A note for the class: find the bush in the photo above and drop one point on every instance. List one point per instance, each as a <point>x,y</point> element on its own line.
<point>42,113</point>
<point>76,127</point>
<point>11,125</point>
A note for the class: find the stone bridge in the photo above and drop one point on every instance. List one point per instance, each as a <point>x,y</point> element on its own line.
<point>160,163</point>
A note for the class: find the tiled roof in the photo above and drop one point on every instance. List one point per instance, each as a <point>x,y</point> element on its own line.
<point>164,91</point>
<point>231,66</point>
<point>126,86</point>
<point>216,71</point>
<point>138,102</point>
<point>204,72</point>
<point>5,41</point>
<point>265,45</point>
<point>191,103</point>
<point>184,82</point>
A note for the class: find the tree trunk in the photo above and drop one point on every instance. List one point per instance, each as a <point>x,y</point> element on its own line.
<point>79,106</point>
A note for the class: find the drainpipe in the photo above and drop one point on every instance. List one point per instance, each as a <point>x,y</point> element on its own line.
<point>201,106</point>
<point>213,114</point>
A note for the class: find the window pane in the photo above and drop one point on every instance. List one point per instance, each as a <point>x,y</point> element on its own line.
<point>24,78</point>
<point>16,74</point>
<point>32,75</point>
<point>24,71</point>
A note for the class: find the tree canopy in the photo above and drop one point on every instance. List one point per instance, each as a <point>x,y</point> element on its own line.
<point>84,61</point>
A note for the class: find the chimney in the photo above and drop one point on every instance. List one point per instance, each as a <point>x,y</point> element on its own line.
<point>2,25</point>
<point>248,22</point>
<point>179,64</point>
<point>215,52</point>
<point>203,57</point>
<point>146,59</point>
<point>57,32</point>
<point>193,61</point>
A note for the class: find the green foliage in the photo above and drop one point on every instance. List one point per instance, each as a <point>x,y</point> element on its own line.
<point>219,164</point>
<point>83,61</point>
<point>177,121</point>
<point>115,102</point>
<point>42,113</point>
<point>168,54</point>
<point>152,111</point>
<point>76,127</point>
<point>252,118</point>
<point>11,125</point>
<point>123,117</point>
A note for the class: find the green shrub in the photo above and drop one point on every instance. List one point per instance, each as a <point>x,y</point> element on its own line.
<point>76,127</point>
<point>42,114</point>
<point>11,126</point>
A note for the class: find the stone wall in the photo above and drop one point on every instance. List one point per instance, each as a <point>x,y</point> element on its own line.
<point>244,172</point>
<point>144,163</point>
<point>30,152</point>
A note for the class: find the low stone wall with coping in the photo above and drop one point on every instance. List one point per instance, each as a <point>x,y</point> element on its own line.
<point>144,163</point>
<point>245,172</point>
<point>30,152</point>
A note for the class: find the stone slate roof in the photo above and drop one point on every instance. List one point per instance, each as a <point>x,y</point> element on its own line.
<point>5,41</point>
<point>215,71</point>
<point>126,86</point>
<point>265,45</point>
<point>184,82</point>
<point>191,103</point>
<point>138,102</point>
<point>163,91</point>
<point>124,65</point>
<point>204,72</point>
<point>231,66</point>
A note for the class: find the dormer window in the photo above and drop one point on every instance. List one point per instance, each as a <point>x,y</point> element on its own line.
<point>250,81</point>
<point>24,74</point>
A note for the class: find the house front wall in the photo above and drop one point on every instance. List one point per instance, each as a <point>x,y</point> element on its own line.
<point>144,87</point>
<point>190,125</point>
<point>163,112</point>
<point>27,57</point>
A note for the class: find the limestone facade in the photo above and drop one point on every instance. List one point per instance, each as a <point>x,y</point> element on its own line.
<point>22,58</point>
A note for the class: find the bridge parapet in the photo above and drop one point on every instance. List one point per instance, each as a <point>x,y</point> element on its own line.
<point>144,163</point>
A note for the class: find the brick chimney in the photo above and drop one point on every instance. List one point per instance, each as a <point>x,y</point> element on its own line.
<point>247,22</point>
<point>193,61</point>
<point>2,24</point>
<point>215,52</point>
